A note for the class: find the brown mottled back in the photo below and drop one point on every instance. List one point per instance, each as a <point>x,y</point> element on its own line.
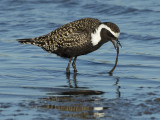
<point>74,34</point>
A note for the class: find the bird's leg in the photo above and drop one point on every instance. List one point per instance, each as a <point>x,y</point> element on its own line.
<point>74,64</point>
<point>67,69</point>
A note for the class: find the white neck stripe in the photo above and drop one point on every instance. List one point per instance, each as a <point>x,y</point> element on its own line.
<point>96,38</point>
<point>109,29</point>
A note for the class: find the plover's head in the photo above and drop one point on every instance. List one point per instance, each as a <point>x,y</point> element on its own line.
<point>111,32</point>
<point>106,31</point>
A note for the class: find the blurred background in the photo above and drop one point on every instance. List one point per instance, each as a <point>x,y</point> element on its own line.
<point>34,85</point>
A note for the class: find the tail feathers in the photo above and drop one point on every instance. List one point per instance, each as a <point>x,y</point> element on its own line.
<point>31,41</point>
<point>26,41</point>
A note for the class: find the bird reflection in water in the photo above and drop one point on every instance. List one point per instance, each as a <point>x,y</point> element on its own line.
<point>118,88</point>
<point>76,102</point>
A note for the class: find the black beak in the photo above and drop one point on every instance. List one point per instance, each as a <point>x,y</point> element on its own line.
<point>116,43</point>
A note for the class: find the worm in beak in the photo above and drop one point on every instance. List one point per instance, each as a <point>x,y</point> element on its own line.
<point>116,45</point>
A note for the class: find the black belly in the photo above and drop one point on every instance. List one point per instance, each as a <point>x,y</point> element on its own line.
<point>69,52</point>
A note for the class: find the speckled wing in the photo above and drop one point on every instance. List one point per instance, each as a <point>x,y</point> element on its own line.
<point>67,45</point>
<point>72,36</point>
<point>72,39</point>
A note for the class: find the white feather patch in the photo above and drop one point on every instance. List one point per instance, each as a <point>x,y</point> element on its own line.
<point>96,37</point>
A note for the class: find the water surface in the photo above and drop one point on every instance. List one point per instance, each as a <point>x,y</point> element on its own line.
<point>34,85</point>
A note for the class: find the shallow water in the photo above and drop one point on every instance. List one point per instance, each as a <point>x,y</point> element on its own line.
<point>33,83</point>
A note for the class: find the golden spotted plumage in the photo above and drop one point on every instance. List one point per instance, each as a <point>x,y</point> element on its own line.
<point>76,38</point>
<point>74,34</point>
